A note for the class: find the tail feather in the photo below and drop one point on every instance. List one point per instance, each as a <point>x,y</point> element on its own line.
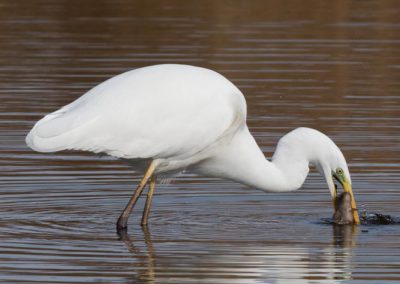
<point>60,130</point>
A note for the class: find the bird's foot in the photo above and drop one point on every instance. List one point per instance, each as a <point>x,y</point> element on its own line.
<point>122,224</point>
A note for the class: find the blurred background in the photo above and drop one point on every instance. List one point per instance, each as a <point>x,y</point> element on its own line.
<point>330,65</point>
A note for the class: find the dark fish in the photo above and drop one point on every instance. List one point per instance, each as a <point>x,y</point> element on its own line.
<point>343,213</point>
<point>378,219</point>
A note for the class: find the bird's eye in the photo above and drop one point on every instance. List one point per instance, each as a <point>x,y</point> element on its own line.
<point>339,171</point>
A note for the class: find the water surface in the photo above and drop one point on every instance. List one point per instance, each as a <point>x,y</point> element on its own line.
<point>334,66</point>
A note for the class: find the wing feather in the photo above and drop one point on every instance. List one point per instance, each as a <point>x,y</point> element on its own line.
<point>154,112</point>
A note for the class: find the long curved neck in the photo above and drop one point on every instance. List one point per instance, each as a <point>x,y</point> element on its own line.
<point>280,175</point>
<point>243,161</point>
<point>287,170</point>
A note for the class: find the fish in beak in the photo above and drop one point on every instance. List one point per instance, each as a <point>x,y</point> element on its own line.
<point>341,178</point>
<point>343,212</point>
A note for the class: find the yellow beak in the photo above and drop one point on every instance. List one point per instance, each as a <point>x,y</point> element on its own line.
<point>347,188</point>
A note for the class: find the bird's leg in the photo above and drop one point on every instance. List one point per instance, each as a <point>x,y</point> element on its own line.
<point>146,210</point>
<point>123,218</point>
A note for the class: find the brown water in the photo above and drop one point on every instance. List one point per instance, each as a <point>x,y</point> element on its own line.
<point>331,65</point>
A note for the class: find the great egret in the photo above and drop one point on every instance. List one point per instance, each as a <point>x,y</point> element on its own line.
<point>166,118</point>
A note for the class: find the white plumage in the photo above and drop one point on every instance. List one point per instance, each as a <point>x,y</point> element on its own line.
<point>184,117</point>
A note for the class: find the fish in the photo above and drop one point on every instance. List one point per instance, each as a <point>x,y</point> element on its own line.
<point>343,212</point>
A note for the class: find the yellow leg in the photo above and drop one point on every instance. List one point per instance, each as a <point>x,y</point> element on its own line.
<point>123,218</point>
<point>146,210</point>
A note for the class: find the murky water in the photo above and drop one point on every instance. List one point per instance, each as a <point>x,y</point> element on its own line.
<point>331,65</point>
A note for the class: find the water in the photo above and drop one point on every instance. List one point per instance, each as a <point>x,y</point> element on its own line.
<point>332,65</point>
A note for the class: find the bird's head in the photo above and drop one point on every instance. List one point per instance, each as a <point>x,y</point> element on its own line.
<point>304,146</point>
<point>334,168</point>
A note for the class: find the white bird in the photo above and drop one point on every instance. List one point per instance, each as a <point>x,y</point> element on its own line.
<point>167,118</point>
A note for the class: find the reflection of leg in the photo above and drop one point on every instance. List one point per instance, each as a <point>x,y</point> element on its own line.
<point>123,218</point>
<point>147,239</point>
<point>146,210</point>
<point>123,236</point>
<point>145,261</point>
<point>151,274</point>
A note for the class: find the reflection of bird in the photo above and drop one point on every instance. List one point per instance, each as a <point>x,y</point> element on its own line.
<point>240,261</point>
<point>167,118</point>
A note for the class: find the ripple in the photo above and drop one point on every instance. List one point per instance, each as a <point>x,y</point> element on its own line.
<point>58,211</point>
